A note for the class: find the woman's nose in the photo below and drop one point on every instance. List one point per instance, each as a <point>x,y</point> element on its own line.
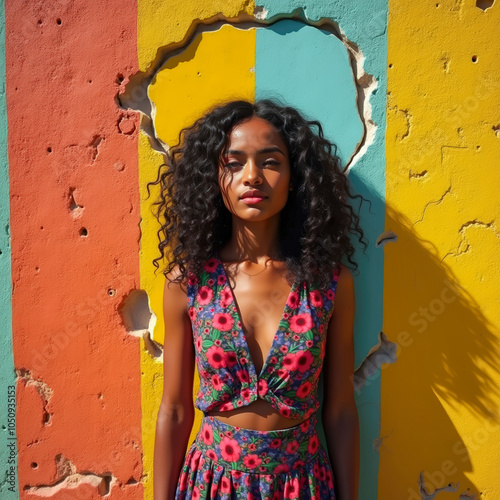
<point>251,170</point>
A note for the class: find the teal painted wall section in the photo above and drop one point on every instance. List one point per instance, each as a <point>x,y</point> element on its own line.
<point>8,442</point>
<point>366,26</point>
<point>310,69</point>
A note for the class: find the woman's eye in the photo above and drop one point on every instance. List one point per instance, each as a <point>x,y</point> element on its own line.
<point>272,162</point>
<point>232,164</point>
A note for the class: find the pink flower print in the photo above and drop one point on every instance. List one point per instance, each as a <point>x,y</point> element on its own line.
<point>226,297</point>
<point>283,374</point>
<point>292,488</point>
<point>262,387</point>
<point>252,461</point>
<point>329,479</point>
<point>309,343</point>
<point>225,485</point>
<point>230,449</point>
<point>292,447</point>
<point>322,473</point>
<point>304,360</point>
<point>205,295</point>
<point>210,265</point>
<point>305,425</point>
<point>285,411</point>
<point>192,279</point>
<point>213,490</point>
<point>274,360</point>
<point>296,337</point>
<point>192,313</point>
<point>301,323</point>
<point>298,464</point>
<point>199,343</point>
<point>330,294</point>
<point>183,482</point>
<point>221,279</point>
<point>195,459</point>
<point>321,328</point>
<point>245,394</point>
<point>315,298</point>
<point>223,321</point>
<point>304,390</point>
<point>207,434</point>
<point>243,376</point>
<point>293,300</point>
<point>243,361</point>
<point>236,473</point>
<point>290,362</point>
<point>215,356</point>
<point>207,476</point>
<point>313,445</point>
<point>216,382</point>
<point>252,447</point>
<point>275,443</point>
<point>284,349</point>
<point>230,359</point>
<point>196,493</point>
<point>316,470</point>
<point>281,468</point>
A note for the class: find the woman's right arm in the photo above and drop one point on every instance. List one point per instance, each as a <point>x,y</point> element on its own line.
<point>176,412</point>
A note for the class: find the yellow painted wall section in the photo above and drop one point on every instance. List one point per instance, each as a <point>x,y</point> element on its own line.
<point>216,66</point>
<point>162,24</point>
<point>439,409</point>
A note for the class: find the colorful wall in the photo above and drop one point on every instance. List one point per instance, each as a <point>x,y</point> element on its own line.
<point>91,95</point>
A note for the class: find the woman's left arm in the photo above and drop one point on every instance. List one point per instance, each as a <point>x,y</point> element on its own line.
<point>340,416</point>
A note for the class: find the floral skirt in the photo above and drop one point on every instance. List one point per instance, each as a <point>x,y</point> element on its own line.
<point>227,462</point>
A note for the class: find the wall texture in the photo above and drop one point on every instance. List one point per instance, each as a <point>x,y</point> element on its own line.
<point>91,93</point>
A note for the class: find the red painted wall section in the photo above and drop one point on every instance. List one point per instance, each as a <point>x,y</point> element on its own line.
<point>75,243</point>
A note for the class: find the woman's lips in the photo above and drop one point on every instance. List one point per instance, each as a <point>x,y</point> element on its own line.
<point>253,199</point>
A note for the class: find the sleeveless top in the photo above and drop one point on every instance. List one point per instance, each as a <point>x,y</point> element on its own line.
<point>289,377</point>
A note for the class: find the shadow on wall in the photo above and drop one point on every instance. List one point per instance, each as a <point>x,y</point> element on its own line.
<point>446,356</point>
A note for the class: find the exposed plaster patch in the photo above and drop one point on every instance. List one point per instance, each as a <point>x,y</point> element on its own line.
<point>496,129</point>
<point>153,348</point>
<point>467,495</point>
<point>137,315</point>
<point>417,175</point>
<point>134,95</point>
<point>386,237</point>
<point>464,246</point>
<point>24,376</point>
<point>76,210</point>
<point>383,352</point>
<point>94,145</point>
<point>260,13</point>
<point>484,4</point>
<point>407,118</point>
<point>425,494</point>
<point>378,442</point>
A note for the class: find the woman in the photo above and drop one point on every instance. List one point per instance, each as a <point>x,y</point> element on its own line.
<point>254,211</point>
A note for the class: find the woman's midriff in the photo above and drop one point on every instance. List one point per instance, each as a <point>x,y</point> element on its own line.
<point>259,416</point>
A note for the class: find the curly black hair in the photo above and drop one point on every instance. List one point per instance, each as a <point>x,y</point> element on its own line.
<point>315,224</point>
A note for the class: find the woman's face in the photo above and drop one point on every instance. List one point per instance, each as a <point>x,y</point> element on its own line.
<point>256,159</point>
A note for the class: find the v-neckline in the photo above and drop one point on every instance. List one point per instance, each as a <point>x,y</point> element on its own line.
<point>241,331</point>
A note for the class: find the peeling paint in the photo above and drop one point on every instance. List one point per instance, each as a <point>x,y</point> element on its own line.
<point>426,494</point>
<point>384,352</point>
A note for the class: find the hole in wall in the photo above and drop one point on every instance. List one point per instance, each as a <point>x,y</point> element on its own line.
<point>34,465</point>
<point>58,21</point>
<point>484,4</point>
<point>135,312</point>
<point>49,150</point>
<point>111,292</point>
<point>474,59</point>
<point>119,79</point>
<point>83,232</point>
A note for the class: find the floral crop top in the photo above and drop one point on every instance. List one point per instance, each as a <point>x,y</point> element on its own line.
<point>289,377</point>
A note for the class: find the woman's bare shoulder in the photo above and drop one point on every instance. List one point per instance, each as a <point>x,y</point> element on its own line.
<point>175,290</point>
